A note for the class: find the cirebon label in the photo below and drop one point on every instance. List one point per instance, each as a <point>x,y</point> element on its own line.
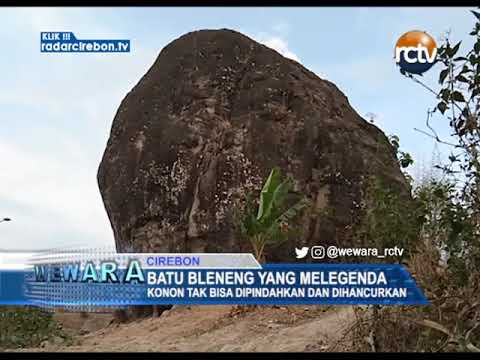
<point>415,52</point>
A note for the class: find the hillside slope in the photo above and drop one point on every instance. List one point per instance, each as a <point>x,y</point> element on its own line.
<point>214,328</point>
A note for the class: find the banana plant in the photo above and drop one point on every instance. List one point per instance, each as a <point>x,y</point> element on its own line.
<point>273,220</point>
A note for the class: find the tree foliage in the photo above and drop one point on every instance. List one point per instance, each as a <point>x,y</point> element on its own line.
<point>458,100</point>
<point>446,259</point>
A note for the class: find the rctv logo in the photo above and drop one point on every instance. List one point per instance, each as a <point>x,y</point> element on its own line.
<point>415,52</point>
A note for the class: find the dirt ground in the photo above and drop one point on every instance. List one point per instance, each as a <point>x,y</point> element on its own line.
<point>216,328</point>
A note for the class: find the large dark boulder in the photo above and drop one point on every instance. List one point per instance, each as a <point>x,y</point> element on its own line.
<point>206,124</point>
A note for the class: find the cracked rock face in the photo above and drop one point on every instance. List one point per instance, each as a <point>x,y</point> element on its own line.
<point>206,124</point>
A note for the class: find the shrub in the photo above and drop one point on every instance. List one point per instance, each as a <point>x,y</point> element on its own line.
<point>444,268</point>
<point>26,327</point>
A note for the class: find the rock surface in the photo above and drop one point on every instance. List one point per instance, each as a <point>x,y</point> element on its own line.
<point>206,124</point>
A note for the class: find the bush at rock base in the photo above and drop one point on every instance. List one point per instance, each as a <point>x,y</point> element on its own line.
<point>24,326</point>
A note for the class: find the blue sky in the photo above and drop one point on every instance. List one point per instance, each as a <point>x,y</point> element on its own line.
<point>56,109</point>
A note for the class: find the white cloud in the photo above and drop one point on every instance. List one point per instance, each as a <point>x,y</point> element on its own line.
<point>49,158</point>
<point>275,40</point>
<point>281,46</point>
<point>50,193</point>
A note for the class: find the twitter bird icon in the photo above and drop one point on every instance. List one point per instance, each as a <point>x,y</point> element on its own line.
<point>301,253</point>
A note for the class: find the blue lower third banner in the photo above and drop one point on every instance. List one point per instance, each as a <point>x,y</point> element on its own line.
<point>105,283</point>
